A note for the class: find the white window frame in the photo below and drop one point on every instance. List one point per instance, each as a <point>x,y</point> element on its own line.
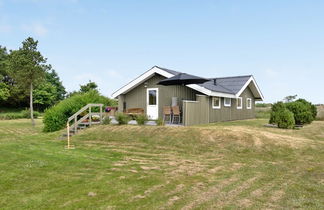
<point>220,102</point>
<point>230,102</point>
<point>239,107</point>
<point>247,103</point>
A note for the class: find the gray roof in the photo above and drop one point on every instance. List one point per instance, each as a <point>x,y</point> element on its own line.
<point>169,70</point>
<point>226,84</point>
<point>231,85</point>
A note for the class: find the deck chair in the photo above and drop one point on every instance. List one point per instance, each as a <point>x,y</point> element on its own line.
<point>167,113</point>
<point>176,114</point>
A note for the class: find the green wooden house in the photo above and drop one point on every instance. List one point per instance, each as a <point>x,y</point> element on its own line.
<point>218,99</point>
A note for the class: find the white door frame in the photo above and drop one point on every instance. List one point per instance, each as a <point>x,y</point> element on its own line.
<point>152,111</point>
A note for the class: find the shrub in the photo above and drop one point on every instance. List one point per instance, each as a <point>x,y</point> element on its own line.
<point>285,119</point>
<point>310,106</point>
<point>11,116</point>
<point>141,119</point>
<point>302,112</point>
<point>18,115</point>
<point>55,118</point>
<point>26,114</point>
<point>122,118</point>
<point>160,122</point>
<point>106,120</point>
<point>276,107</point>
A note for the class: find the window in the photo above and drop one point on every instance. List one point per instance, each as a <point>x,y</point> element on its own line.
<point>248,103</point>
<point>152,97</point>
<point>239,103</point>
<point>227,102</point>
<point>216,103</point>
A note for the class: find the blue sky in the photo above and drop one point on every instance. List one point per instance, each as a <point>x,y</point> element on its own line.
<point>111,42</point>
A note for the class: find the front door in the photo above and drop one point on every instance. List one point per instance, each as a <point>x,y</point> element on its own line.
<point>152,103</point>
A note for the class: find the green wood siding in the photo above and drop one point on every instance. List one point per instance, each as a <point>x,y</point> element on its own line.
<point>196,112</point>
<point>136,98</point>
<point>193,112</point>
<point>232,113</point>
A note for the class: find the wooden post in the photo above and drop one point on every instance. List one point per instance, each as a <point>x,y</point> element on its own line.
<point>68,134</point>
<point>101,114</point>
<point>75,124</point>
<point>90,117</point>
<point>69,145</point>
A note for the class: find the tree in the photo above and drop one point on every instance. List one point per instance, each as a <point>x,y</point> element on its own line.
<point>45,95</point>
<point>27,67</point>
<point>4,89</point>
<point>53,78</point>
<point>288,99</point>
<point>49,92</point>
<point>89,86</point>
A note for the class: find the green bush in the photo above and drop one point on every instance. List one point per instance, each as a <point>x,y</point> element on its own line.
<point>122,118</point>
<point>276,107</point>
<point>26,114</point>
<point>18,115</point>
<point>11,116</point>
<point>141,119</point>
<point>310,106</point>
<point>302,112</point>
<point>106,120</point>
<point>160,122</point>
<point>285,119</point>
<point>55,118</point>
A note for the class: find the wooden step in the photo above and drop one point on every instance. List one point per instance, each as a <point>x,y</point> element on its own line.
<point>92,123</point>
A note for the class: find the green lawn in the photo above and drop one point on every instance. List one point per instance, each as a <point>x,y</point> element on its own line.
<point>224,165</point>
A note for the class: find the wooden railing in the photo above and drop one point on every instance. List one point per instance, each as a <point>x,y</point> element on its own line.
<point>76,122</point>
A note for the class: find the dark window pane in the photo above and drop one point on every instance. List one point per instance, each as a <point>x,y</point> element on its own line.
<point>152,97</point>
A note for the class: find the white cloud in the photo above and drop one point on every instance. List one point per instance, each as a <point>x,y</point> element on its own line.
<point>36,28</point>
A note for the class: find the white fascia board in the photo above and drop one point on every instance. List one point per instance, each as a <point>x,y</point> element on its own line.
<point>245,86</point>
<point>140,79</point>
<point>209,92</point>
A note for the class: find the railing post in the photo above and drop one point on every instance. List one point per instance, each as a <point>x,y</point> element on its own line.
<point>68,134</point>
<point>75,124</point>
<point>90,117</point>
<point>100,113</point>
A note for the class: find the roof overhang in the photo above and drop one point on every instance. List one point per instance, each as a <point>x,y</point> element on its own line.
<point>156,70</point>
<point>134,83</point>
<point>251,83</point>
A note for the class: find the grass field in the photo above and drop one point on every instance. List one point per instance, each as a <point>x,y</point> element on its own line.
<point>224,165</point>
<point>320,112</point>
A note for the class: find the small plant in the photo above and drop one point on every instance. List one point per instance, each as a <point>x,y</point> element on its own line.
<point>106,120</point>
<point>160,122</point>
<point>122,118</point>
<point>141,119</point>
<point>95,118</point>
<point>285,119</point>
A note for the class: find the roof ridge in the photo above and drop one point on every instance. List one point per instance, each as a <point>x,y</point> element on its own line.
<point>163,68</point>
<point>230,77</point>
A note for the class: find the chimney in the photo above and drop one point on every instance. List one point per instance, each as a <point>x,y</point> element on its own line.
<point>215,82</point>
